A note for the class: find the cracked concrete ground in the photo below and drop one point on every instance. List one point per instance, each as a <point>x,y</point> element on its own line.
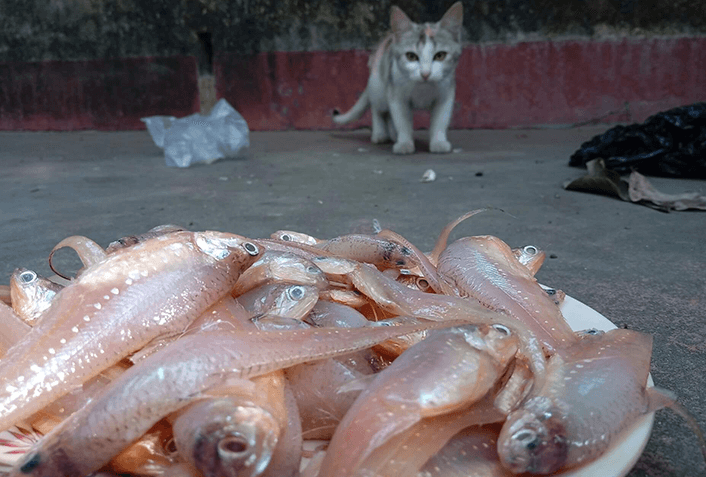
<point>638,267</point>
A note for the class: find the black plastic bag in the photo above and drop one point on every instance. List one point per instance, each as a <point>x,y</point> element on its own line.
<point>671,143</point>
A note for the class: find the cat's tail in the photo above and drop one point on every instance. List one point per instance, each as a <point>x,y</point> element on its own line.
<point>355,112</point>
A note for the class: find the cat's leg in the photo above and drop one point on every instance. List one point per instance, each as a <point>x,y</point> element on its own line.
<point>379,134</point>
<point>440,119</point>
<point>391,131</point>
<point>401,113</point>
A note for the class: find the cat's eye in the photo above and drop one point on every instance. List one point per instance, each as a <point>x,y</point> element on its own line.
<point>411,56</point>
<point>440,56</point>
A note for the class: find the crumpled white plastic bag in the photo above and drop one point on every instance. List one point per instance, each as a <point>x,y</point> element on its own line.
<point>197,138</point>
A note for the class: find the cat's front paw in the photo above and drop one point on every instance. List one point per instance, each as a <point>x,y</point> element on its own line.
<point>406,147</point>
<point>440,146</point>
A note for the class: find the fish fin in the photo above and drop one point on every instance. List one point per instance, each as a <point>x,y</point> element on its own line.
<point>358,384</point>
<point>151,348</point>
<point>659,398</point>
<point>440,245</point>
<point>5,295</point>
<point>225,385</point>
<point>265,322</point>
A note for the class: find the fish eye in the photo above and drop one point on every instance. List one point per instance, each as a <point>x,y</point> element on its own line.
<point>312,270</point>
<point>286,237</point>
<point>411,56</point>
<point>592,331</point>
<point>32,462</point>
<point>530,249</point>
<point>295,293</point>
<point>228,446</point>
<point>503,329</point>
<point>527,438</point>
<point>28,277</point>
<point>251,248</point>
<point>170,446</point>
<point>422,283</point>
<point>550,291</point>
<point>440,56</point>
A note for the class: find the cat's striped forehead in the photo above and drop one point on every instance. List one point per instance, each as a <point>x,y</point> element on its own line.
<point>422,34</point>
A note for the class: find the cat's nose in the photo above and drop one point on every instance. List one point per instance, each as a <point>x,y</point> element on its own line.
<point>425,75</point>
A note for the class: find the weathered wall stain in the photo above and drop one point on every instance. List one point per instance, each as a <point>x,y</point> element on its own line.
<point>498,86</point>
<point>38,30</point>
<point>103,64</point>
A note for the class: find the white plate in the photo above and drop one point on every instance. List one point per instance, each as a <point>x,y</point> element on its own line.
<point>617,462</point>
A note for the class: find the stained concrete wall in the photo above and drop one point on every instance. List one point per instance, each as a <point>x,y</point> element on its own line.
<point>34,30</point>
<point>103,64</point>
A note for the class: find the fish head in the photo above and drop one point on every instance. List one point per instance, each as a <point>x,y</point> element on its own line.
<point>47,459</point>
<point>498,340</point>
<point>530,256</point>
<point>238,251</point>
<point>295,301</point>
<point>533,439</point>
<point>31,294</point>
<point>396,255</point>
<point>415,282</point>
<point>292,268</point>
<point>296,237</point>
<point>228,440</point>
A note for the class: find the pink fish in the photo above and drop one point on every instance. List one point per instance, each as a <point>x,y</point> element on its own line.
<point>594,392</point>
<point>114,308</point>
<point>448,371</point>
<point>173,377</point>
<point>485,269</point>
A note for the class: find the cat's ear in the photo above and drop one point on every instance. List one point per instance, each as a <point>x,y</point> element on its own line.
<point>453,19</point>
<point>399,21</point>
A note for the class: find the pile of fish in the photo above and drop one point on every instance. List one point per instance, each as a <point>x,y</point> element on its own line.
<point>179,353</point>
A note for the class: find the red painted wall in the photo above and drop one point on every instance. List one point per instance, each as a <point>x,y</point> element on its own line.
<point>498,86</point>
<point>97,94</point>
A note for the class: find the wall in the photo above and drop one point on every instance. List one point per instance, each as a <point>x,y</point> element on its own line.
<point>103,64</point>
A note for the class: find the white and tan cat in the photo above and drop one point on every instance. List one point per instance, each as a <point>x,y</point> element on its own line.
<point>414,67</point>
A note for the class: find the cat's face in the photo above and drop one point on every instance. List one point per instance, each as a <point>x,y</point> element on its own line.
<point>427,52</point>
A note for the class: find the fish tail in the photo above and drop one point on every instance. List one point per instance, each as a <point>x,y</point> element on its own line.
<point>660,398</point>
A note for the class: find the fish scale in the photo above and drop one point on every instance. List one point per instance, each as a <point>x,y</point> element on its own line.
<point>413,387</point>
<point>171,377</point>
<point>114,308</point>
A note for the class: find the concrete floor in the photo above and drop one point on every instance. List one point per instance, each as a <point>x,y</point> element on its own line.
<point>636,266</point>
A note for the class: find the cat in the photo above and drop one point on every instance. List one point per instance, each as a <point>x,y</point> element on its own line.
<point>414,67</point>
